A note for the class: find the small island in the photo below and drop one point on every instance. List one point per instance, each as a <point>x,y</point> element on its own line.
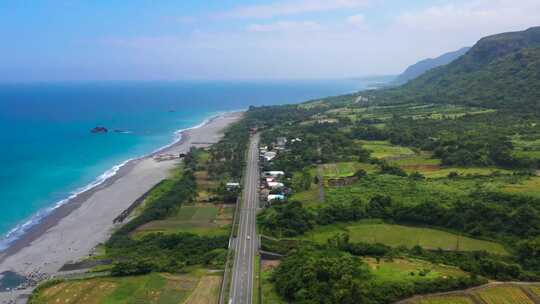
<point>99,129</point>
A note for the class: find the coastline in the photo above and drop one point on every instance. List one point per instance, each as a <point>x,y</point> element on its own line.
<point>45,217</point>
<point>37,250</point>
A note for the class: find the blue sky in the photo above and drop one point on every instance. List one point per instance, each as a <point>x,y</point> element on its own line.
<point>58,40</point>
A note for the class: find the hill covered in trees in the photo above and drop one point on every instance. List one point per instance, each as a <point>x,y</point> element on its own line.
<point>500,71</point>
<point>419,68</point>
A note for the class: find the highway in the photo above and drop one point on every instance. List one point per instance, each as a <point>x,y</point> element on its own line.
<point>245,244</point>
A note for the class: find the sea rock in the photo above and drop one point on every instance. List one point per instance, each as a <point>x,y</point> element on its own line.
<point>99,130</point>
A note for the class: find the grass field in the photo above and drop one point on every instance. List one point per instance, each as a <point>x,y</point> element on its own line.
<point>397,235</point>
<point>504,295</point>
<point>269,294</point>
<point>345,169</point>
<point>203,219</point>
<point>430,167</point>
<point>535,290</point>
<point>407,270</point>
<point>384,149</point>
<point>442,190</point>
<point>529,187</point>
<point>206,292</point>
<point>445,300</point>
<point>152,288</point>
<point>402,189</point>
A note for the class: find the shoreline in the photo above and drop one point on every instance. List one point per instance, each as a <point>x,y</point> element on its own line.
<point>62,208</point>
<point>135,175</point>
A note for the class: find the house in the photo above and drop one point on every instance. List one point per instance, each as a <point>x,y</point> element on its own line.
<point>281,141</point>
<point>296,140</point>
<point>274,174</point>
<point>268,156</point>
<point>275,185</point>
<point>232,186</point>
<point>275,197</point>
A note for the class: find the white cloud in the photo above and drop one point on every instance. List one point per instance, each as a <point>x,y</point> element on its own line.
<point>303,49</point>
<point>285,26</point>
<point>294,7</point>
<point>478,17</point>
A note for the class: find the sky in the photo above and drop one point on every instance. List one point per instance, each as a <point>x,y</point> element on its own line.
<point>76,40</point>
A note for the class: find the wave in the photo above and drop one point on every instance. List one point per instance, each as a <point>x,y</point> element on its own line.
<point>18,231</point>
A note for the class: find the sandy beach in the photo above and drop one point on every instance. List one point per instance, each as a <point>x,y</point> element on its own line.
<point>73,230</point>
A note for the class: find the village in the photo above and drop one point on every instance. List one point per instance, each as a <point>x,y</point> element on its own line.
<point>273,189</point>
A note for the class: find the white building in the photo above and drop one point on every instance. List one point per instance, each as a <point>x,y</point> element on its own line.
<point>275,197</point>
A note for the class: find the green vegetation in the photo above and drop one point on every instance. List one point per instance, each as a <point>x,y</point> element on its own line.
<point>398,235</point>
<point>151,288</point>
<point>535,290</point>
<point>331,276</point>
<point>345,169</point>
<point>200,219</point>
<point>530,187</point>
<point>499,71</point>
<point>384,149</point>
<point>446,300</point>
<point>269,292</point>
<point>504,295</point>
<point>406,270</point>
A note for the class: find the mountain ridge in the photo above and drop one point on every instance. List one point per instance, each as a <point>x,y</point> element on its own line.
<point>422,66</point>
<point>499,71</point>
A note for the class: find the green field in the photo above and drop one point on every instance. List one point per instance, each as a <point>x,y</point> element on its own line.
<point>402,189</point>
<point>345,169</point>
<point>202,219</point>
<point>407,270</point>
<point>535,290</point>
<point>442,190</point>
<point>397,235</point>
<point>384,149</point>
<point>530,187</point>
<point>269,294</point>
<point>151,288</point>
<point>445,300</point>
<point>504,295</point>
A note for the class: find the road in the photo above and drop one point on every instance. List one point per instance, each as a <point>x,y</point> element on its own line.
<point>245,245</point>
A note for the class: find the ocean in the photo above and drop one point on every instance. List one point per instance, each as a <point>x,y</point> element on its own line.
<point>48,153</point>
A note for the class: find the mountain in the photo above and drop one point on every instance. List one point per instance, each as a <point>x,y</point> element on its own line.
<point>425,65</point>
<point>499,71</point>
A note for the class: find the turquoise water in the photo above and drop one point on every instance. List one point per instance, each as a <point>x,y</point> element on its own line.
<point>48,153</point>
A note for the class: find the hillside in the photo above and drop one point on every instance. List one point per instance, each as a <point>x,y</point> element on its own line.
<point>500,71</point>
<point>419,68</point>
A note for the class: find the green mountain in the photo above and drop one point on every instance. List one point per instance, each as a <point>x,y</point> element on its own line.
<point>500,71</point>
<point>419,68</point>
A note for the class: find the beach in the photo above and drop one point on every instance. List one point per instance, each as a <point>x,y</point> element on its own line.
<point>73,230</point>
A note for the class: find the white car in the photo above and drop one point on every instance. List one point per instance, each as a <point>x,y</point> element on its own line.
<point>249,237</point>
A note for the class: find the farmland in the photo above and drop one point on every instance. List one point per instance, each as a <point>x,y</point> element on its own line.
<point>344,169</point>
<point>269,294</point>
<point>496,293</point>
<point>504,295</point>
<point>446,300</point>
<point>398,235</point>
<point>197,287</point>
<point>385,150</point>
<point>407,270</point>
<point>529,187</point>
<point>202,219</point>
